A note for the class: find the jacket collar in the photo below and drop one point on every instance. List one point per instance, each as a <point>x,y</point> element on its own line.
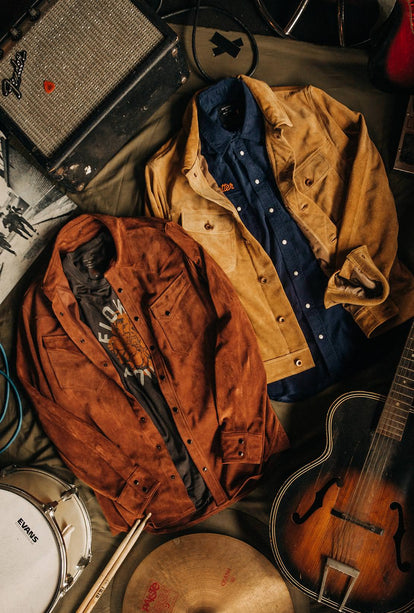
<point>72,235</point>
<point>273,110</point>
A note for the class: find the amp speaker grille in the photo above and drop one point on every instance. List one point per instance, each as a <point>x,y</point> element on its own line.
<point>86,49</point>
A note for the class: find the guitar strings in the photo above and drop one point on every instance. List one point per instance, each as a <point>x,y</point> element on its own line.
<point>380,452</point>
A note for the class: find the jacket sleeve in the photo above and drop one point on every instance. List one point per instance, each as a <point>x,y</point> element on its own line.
<point>156,204</point>
<point>366,248</point>
<point>92,456</point>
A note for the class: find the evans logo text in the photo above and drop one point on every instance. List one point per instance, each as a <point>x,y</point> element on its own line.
<point>26,528</point>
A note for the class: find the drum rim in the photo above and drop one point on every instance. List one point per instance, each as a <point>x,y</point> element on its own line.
<point>56,533</point>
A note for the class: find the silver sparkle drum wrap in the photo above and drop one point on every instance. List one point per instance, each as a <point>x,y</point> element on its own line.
<point>83,49</point>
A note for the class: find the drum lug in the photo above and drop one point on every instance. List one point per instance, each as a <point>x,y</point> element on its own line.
<point>67,584</point>
<point>50,507</point>
<point>83,562</point>
<point>7,470</point>
<point>72,491</point>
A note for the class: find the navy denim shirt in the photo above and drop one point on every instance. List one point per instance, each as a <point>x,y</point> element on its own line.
<point>233,143</point>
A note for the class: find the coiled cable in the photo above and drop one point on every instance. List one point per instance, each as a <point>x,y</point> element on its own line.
<point>196,9</point>
<point>10,384</point>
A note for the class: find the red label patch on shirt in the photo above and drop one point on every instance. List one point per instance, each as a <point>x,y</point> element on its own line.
<point>226,187</point>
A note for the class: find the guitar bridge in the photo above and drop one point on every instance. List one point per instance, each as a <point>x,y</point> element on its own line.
<point>345,569</point>
<point>357,522</point>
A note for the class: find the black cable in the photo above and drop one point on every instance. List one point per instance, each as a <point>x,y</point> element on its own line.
<point>196,9</point>
<point>158,8</point>
<point>9,383</point>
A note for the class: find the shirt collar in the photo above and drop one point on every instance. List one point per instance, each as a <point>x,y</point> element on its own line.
<point>271,105</point>
<point>211,99</point>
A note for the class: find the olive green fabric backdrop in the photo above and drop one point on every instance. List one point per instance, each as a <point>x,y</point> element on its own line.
<point>119,190</point>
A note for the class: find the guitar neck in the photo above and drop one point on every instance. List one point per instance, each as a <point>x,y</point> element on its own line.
<point>400,398</point>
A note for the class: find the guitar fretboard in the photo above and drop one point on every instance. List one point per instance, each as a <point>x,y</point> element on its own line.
<point>400,398</point>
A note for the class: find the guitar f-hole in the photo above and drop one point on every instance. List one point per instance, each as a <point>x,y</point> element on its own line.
<point>404,567</point>
<point>318,501</point>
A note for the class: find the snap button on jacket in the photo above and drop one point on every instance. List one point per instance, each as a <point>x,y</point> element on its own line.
<point>334,185</point>
<point>207,363</point>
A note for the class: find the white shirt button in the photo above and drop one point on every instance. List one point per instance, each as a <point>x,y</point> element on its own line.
<point>239,208</point>
<point>307,305</point>
<point>295,272</point>
<point>241,152</point>
<point>284,242</point>
<point>271,210</point>
<point>257,181</point>
<point>320,336</point>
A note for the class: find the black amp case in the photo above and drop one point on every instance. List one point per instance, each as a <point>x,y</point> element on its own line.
<point>79,78</point>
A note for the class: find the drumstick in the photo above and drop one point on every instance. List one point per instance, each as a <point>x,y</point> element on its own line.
<point>113,565</point>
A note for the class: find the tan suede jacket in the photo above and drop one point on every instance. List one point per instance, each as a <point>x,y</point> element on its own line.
<point>333,183</point>
<point>207,363</point>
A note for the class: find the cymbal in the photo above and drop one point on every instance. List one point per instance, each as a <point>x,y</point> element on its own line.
<point>206,573</point>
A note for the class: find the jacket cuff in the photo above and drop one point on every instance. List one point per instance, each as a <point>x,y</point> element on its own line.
<point>375,320</point>
<point>137,492</point>
<point>241,447</point>
<point>359,282</point>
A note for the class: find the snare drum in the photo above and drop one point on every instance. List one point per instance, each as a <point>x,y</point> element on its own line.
<point>45,539</point>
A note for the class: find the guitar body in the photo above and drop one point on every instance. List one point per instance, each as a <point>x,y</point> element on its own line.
<point>342,527</point>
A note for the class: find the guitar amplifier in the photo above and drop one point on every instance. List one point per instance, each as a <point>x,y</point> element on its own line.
<point>79,78</point>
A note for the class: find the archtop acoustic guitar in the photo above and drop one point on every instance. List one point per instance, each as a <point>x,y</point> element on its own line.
<point>342,527</point>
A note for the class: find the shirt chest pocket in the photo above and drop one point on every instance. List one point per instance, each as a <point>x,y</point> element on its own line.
<point>71,368</point>
<point>180,316</point>
<point>216,233</point>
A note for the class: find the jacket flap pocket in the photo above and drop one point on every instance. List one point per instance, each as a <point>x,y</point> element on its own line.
<point>311,171</point>
<point>181,315</point>
<point>166,304</point>
<point>59,342</point>
<point>72,369</point>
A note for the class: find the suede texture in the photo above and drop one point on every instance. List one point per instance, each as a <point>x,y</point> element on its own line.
<point>332,181</point>
<point>207,363</point>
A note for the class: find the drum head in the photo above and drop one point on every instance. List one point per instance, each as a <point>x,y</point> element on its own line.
<point>70,515</point>
<point>30,555</point>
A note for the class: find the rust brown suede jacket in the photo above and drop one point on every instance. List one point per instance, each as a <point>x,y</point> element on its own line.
<point>207,363</point>
<point>333,183</point>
